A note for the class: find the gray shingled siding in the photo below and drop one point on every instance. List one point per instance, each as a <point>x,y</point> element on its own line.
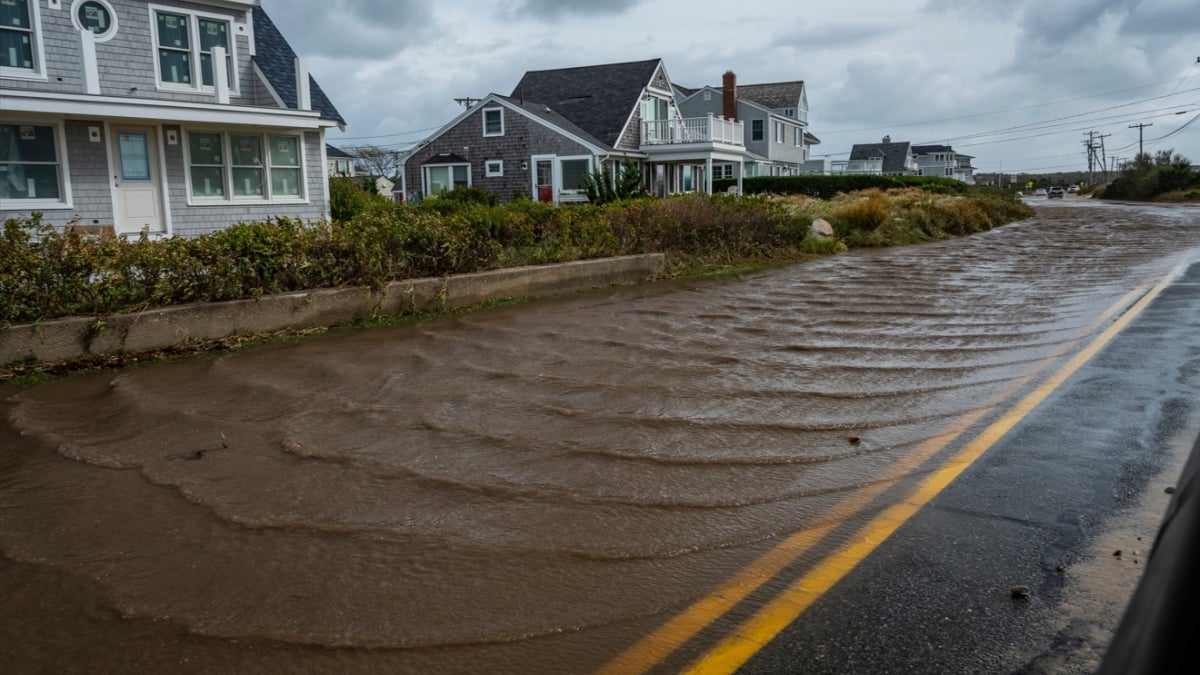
<point>91,189</point>
<point>196,220</point>
<point>632,138</point>
<point>522,138</point>
<point>128,59</point>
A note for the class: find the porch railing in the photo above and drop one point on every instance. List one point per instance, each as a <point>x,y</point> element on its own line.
<point>708,129</point>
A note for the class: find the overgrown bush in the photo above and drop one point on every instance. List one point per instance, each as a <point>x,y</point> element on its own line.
<point>348,197</point>
<point>1147,178</point>
<point>47,272</point>
<point>828,187</point>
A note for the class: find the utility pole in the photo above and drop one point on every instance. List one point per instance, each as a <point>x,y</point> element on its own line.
<point>1103,161</point>
<point>1090,143</point>
<point>467,102</point>
<point>1139,127</point>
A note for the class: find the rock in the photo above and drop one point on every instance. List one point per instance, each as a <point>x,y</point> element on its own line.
<point>821,229</point>
<point>854,440</point>
<point>1020,593</point>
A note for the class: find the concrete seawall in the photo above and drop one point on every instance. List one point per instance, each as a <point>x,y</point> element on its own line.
<point>75,337</point>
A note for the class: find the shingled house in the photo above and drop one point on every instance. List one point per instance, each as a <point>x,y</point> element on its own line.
<point>557,126</point>
<point>171,118</point>
<point>942,160</point>
<point>885,158</point>
<point>774,117</point>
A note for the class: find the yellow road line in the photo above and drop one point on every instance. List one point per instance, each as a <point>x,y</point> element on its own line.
<point>734,650</point>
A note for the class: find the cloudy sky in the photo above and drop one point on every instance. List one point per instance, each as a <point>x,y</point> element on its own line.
<point>1018,84</point>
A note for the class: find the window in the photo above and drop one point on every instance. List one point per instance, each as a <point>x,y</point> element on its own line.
<point>247,166</point>
<point>20,47</point>
<point>29,163</point>
<point>95,16</point>
<point>780,132</point>
<point>493,122</point>
<point>185,44</point>
<point>494,167</point>
<point>799,138</point>
<point>722,171</point>
<point>574,172</point>
<point>341,167</point>
<point>446,176</point>
<point>756,130</point>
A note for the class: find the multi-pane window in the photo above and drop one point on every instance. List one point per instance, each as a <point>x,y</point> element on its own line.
<point>439,178</point>
<point>246,166</point>
<point>574,173</point>
<point>29,162</point>
<point>185,46</point>
<point>285,165</point>
<point>17,39</point>
<point>493,122</point>
<point>756,130</point>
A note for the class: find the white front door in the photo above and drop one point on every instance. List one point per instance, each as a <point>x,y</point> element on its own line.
<point>139,204</point>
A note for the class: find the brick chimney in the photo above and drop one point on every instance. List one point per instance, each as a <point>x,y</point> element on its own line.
<point>729,89</point>
<point>887,139</point>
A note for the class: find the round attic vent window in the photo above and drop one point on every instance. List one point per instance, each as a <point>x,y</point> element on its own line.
<point>95,16</point>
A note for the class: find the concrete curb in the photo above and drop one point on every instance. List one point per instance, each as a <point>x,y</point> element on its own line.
<point>74,337</point>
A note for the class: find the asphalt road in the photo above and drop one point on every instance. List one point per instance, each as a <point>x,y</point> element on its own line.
<point>1028,560</point>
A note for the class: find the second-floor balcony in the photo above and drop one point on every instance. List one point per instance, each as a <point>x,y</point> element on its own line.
<point>710,129</point>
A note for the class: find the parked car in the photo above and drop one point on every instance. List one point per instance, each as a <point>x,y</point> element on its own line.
<point>1056,192</point>
<point>1040,192</point>
<point>1073,188</point>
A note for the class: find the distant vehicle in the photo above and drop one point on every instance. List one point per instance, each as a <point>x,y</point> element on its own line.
<point>1073,188</point>
<point>1056,192</point>
<point>1041,192</point>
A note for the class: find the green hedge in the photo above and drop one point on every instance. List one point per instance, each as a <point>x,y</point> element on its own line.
<point>46,272</point>
<point>828,187</point>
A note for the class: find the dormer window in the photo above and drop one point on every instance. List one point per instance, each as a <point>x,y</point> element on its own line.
<point>493,121</point>
<point>185,43</point>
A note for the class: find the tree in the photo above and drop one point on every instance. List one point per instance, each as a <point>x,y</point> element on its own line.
<point>601,189</point>
<point>375,160</point>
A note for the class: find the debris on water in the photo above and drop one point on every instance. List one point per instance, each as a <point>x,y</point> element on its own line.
<point>1117,553</point>
<point>1062,567</point>
<point>1020,593</point>
<point>854,440</point>
<point>1170,489</point>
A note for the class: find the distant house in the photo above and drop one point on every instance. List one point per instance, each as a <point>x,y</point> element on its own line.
<point>774,118</point>
<point>558,126</point>
<point>171,118</point>
<point>341,163</point>
<point>884,159</point>
<point>942,160</point>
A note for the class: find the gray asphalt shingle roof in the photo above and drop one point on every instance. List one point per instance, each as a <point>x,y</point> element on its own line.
<point>774,94</point>
<point>597,99</point>
<point>893,154</point>
<point>277,61</point>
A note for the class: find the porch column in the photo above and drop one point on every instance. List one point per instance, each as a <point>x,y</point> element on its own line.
<point>708,175</point>
<point>741,173</point>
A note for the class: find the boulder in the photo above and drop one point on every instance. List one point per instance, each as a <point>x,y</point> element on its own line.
<point>821,229</point>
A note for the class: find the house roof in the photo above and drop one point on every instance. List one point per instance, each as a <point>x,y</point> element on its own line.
<point>926,149</point>
<point>893,154</point>
<point>772,95</point>
<point>338,153</point>
<point>547,114</point>
<point>597,99</point>
<point>277,61</point>
<point>810,139</point>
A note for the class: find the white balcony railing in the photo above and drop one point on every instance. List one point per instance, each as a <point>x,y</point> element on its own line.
<point>692,130</point>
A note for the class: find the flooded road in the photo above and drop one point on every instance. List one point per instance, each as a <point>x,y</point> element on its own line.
<point>523,489</point>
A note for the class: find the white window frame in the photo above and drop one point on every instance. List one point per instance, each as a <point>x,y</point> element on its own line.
<point>112,14</point>
<point>799,137</point>
<point>227,166</point>
<point>197,76</point>
<point>780,132</point>
<point>484,116</point>
<point>558,172</point>
<point>36,50</point>
<point>425,175</point>
<point>493,168</point>
<point>64,178</point>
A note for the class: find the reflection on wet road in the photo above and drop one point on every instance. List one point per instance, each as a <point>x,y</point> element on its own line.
<point>528,489</point>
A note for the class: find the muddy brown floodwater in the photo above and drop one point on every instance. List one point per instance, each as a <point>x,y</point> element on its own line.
<point>522,489</point>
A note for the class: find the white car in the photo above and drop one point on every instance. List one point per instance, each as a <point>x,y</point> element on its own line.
<point>1041,192</point>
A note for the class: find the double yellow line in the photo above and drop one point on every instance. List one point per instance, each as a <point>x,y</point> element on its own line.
<point>728,654</point>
